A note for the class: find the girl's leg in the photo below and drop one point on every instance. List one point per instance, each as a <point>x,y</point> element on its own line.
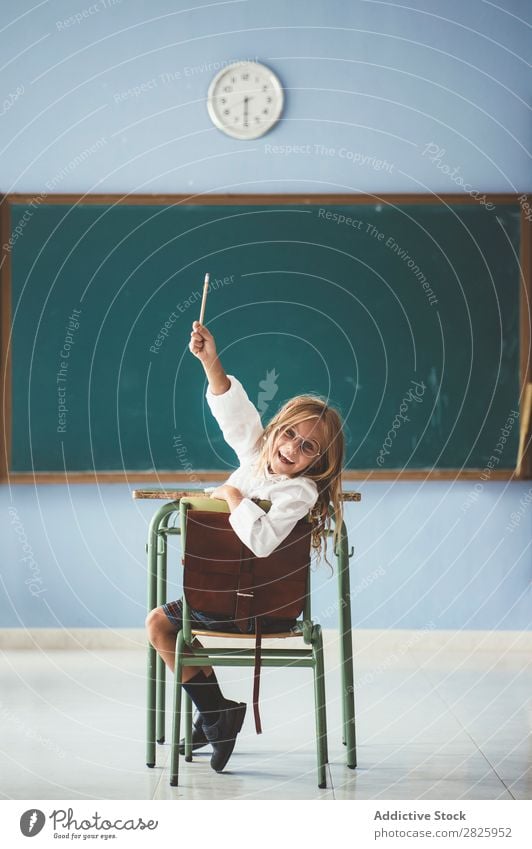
<point>221,719</point>
<point>162,634</point>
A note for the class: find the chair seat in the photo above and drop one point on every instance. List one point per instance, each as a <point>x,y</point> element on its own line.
<point>239,636</point>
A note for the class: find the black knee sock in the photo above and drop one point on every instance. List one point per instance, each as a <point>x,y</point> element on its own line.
<point>206,695</point>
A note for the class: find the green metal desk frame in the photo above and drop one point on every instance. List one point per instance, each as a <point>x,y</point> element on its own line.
<point>156,548</point>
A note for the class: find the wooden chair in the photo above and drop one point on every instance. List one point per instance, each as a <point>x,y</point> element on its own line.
<point>160,530</point>
<point>215,541</point>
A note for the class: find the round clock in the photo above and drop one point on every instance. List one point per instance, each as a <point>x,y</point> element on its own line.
<point>245,100</point>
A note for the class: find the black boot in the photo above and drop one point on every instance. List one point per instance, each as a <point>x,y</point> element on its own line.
<point>199,739</point>
<point>206,694</point>
<point>222,733</point>
<point>221,719</point>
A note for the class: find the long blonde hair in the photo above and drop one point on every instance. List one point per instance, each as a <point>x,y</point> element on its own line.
<point>326,470</point>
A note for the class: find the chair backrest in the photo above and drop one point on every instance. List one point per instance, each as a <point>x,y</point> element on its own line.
<point>223,577</point>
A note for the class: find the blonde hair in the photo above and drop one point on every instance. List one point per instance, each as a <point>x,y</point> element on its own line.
<point>325,470</point>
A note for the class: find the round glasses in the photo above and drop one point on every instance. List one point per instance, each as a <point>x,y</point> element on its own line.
<point>308,447</point>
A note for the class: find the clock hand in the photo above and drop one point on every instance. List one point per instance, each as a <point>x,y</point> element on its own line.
<point>240,102</point>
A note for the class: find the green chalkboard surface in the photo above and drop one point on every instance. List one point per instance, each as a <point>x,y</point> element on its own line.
<point>405,316</point>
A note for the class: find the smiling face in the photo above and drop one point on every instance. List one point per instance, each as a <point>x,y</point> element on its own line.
<point>296,448</point>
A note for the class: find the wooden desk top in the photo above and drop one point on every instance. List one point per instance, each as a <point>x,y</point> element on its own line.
<point>176,494</point>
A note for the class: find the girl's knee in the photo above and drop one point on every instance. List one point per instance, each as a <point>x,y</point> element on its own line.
<point>157,622</point>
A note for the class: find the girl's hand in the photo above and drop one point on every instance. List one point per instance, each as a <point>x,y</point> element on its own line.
<point>228,493</point>
<point>202,344</point>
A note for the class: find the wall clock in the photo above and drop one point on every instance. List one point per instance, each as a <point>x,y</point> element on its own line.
<point>245,100</point>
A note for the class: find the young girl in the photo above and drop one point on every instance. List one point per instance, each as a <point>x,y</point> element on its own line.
<point>296,464</point>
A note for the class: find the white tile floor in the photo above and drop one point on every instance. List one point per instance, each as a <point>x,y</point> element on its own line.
<point>430,725</point>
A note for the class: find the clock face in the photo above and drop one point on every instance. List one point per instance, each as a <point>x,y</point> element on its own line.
<point>245,100</point>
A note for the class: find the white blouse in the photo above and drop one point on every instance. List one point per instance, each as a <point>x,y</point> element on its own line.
<point>291,498</point>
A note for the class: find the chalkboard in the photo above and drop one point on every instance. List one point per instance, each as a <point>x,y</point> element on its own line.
<point>403,315</point>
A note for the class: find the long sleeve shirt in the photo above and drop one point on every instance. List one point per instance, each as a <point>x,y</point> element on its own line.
<point>291,498</point>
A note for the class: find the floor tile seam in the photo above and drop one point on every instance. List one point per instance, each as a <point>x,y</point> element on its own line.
<point>426,760</point>
<point>165,774</point>
<point>465,730</point>
<point>487,756</point>
<point>246,796</point>
<point>59,669</point>
<point>499,781</point>
<point>508,789</point>
<point>330,780</point>
<point>448,775</point>
<point>510,780</point>
<point>426,672</point>
<point>390,787</point>
<point>456,718</point>
<point>41,778</point>
<point>404,745</point>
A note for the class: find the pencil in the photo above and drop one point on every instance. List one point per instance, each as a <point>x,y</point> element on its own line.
<point>204,299</point>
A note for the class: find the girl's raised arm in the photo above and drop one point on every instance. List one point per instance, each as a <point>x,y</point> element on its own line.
<point>203,346</point>
<point>238,418</point>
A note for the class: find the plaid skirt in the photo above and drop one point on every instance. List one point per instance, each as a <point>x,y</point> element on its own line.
<point>205,621</point>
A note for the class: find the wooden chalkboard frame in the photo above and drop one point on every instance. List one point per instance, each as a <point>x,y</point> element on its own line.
<point>525,291</point>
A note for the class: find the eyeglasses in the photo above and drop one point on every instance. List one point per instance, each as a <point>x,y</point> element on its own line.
<point>308,447</point>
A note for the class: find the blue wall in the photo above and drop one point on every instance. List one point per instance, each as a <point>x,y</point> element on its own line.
<point>427,555</point>
<point>374,79</point>
<point>115,102</point>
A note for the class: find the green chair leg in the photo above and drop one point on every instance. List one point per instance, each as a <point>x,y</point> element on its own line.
<point>319,701</point>
<point>151,672</point>
<point>151,677</point>
<point>187,709</point>
<point>176,723</point>
<point>153,585</point>
<point>346,651</point>
<point>161,696</point>
<point>349,701</point>
<point>161,599</point>
<point>348,691</point>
